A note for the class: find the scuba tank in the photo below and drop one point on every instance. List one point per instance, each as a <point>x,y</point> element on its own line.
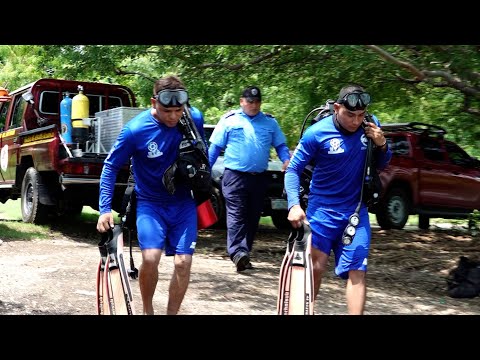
<point>80,107</point>
<point>66,117</point>
<point>80,111</point>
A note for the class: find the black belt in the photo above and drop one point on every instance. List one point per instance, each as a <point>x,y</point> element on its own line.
<point>247,172</point>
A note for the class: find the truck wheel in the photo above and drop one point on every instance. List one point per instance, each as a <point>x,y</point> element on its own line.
<point>382,219</point>
<point>423,222</point>
<point>395,209</point>
<point>279,219</point>
<point>218,204</point>
<point>32,210</point>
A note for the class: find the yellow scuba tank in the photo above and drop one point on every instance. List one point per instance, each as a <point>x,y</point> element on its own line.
<point>80,111</point>
<point>80,108</point>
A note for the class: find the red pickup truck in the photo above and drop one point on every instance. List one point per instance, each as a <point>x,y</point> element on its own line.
<point>428,175</point>
<point>51,176</point>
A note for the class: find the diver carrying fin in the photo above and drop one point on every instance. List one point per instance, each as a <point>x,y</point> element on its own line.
<point>114,293</point>
<point>295,288</point>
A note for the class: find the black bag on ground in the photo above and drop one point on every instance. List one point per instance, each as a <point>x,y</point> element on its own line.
<point>464,280</point>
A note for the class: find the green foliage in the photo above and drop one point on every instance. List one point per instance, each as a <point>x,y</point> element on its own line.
<point>20,65</point>
<point>433,84</point>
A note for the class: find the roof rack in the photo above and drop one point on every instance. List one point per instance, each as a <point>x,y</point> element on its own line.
<point>415,127</point>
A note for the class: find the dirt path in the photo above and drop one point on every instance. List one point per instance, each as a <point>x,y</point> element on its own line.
<point>407,271</point>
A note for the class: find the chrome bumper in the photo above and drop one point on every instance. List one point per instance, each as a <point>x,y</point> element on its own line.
<point>66,180</point>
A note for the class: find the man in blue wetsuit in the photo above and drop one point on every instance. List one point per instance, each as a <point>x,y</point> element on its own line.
<point>165,223</point>
<point>246,135</point>
<point>336,147</point>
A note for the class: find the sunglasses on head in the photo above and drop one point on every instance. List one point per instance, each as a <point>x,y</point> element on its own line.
<point>355,101</point>
<point>172,98</point>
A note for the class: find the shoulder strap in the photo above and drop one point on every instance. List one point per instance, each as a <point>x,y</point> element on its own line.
<point>189,130</point>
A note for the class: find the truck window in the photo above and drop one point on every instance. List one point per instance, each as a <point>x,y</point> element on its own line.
<point>50,102</point>
<point>457,155</point>
<point>432,149</point>
<point>18,111</point>
<point>3,115</point>
<point>399,145</point>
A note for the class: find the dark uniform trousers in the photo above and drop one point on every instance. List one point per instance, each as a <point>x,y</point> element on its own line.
<point>244,194</point>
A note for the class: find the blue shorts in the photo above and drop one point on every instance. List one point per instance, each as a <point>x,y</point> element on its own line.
<point>172,228</point>
<point>327,229</point>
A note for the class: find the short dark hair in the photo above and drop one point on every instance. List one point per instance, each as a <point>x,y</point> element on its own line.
<point>348,89</point>
<point>171,82</point>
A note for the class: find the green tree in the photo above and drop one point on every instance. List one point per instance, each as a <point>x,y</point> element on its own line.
<point>433,84</point>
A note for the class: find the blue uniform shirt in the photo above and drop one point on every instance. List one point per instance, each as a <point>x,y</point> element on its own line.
<point>247,141</point>
<point>338,161</point>
<point>152,147</point>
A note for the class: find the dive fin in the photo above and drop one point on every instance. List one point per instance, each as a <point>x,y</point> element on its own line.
<point>296,290</point>
<point>283,271</point>
<point>118,292</point>
<point>102,306</point>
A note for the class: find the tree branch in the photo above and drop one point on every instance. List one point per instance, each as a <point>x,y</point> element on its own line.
<point>428,76</point>
<point>124,72</point>
<point>273,53</point>
<point>419,76</point>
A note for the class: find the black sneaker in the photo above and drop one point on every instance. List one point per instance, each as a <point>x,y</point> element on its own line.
<point>242,262</point>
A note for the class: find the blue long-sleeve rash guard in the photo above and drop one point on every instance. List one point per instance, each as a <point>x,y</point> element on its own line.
<point>152,148</point>
<point>338,160</point>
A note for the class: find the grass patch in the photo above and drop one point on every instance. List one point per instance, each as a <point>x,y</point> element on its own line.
<point>16,230</point>
<point>266,221</point>
<point>12,227</point>
<point>11,210</point>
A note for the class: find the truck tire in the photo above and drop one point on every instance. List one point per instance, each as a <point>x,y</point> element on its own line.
<point>423,222</point>
<point>394,211</point>
<point>218,204</point>
<point>279,219</point>
<point>382,219</point>
<point>32,210</point>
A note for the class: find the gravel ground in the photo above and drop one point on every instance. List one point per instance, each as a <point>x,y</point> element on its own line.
<point>407,271</point>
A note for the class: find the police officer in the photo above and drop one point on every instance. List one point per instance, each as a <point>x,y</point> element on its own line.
<point>246,136</point>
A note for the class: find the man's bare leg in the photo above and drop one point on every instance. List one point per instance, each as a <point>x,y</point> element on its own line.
<point>148,278</point>
<point>179,283</point>
<point>319,262</point>
<point>356,292</point>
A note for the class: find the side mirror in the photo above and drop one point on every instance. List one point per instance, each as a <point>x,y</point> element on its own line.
<point>28,97</point>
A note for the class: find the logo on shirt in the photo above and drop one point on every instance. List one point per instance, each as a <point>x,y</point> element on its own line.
<point>153,151</point>
<point>364,141</point>
<point>335,147</point>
